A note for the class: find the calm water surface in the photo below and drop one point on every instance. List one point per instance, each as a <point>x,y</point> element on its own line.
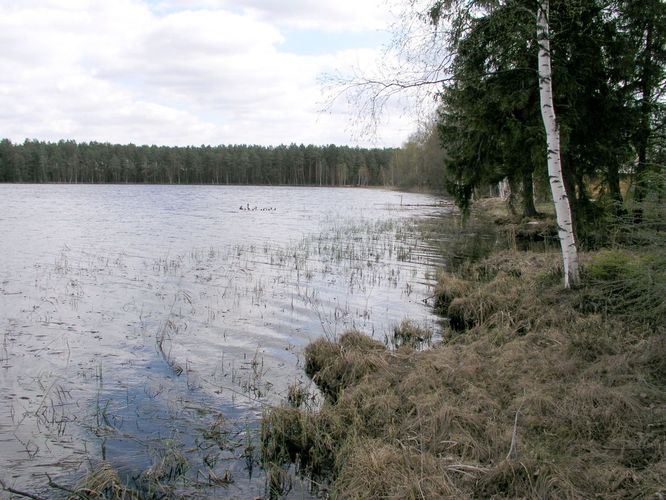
<point>149,325</point>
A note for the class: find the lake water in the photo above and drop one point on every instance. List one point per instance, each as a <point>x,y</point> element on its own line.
<point>150,325</point>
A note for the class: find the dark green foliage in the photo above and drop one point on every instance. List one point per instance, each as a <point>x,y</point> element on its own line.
<point>616,224</point>
<point>643,25</point>
<point>632,286</point>
<point>69,162</point>
<point>609,61</point>
<point>489,119</point>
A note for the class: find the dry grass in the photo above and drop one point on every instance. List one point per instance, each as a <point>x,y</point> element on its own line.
<point>448,288</point>
<point>103,482</point>
<point>409,334</point>
<point>335,365</point>
<point>534,397</point>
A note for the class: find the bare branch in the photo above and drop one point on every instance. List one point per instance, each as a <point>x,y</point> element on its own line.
<point>19,492</point>
<point>412,71</point>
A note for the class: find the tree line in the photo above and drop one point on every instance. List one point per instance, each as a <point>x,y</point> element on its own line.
<point>92,162</point>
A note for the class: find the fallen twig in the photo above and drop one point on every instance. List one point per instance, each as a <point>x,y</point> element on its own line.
<point>19,492</point>
<point>512,448</point>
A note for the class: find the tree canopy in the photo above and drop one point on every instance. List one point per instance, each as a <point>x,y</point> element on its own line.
<point>608,60</point>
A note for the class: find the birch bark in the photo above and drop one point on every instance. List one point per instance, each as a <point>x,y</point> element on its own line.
<point>560,198</point>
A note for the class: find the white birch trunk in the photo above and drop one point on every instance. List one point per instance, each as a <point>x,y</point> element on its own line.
<point>504,189</point>
<point>560,198</point>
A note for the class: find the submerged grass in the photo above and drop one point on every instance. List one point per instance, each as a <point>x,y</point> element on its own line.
<point>103,482</point>
<point>535,392</point>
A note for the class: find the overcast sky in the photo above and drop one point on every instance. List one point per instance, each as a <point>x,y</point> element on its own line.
<point>186,72</point>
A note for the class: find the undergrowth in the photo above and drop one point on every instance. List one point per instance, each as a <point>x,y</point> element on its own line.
<point>627,284</point>
<point>535,392</point>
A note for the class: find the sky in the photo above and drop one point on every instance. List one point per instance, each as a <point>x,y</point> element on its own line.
<point>190,72</point>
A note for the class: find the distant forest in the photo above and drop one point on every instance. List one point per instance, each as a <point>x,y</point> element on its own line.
<point>70,162</point>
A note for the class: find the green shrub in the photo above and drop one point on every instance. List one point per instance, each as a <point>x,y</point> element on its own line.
<point>632,286</point>
<point>608,265</point>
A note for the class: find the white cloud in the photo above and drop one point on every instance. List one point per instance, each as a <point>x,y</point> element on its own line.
<point>172,73</point>
<point>340,15</point>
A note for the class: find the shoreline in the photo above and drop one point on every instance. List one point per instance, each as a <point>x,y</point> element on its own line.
<point>534,392</point>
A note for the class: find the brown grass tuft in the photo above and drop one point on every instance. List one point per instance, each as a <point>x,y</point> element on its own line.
<point>336,365</point>
<point>380,470</point>
<point>448,289</point>
<point>103,482</point>
<point>410,334</point>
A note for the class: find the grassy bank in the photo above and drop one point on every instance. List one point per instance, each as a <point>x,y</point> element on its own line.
<point>535,391</point>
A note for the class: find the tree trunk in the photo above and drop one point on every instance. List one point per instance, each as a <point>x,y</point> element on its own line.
<point>504,189</point>
<point>529,210</point>
<point>644,130</point>
<point>560,198</point>
<point>511,200</point>
<point>613,181</point>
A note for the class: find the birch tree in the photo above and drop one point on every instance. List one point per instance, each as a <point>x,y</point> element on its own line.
<point>560,198</point>
<point>497,92</point>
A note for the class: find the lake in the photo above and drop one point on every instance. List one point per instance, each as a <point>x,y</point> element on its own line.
<point>149,326</point>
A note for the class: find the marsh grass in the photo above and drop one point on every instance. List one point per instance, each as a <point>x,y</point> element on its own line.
<point>532,397</point>
<point>357,258</point>
<point>335,365</point>
<point>297,394</point>
<point>103,482</point>
<point>461,238</point>
<point>409,334</point>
